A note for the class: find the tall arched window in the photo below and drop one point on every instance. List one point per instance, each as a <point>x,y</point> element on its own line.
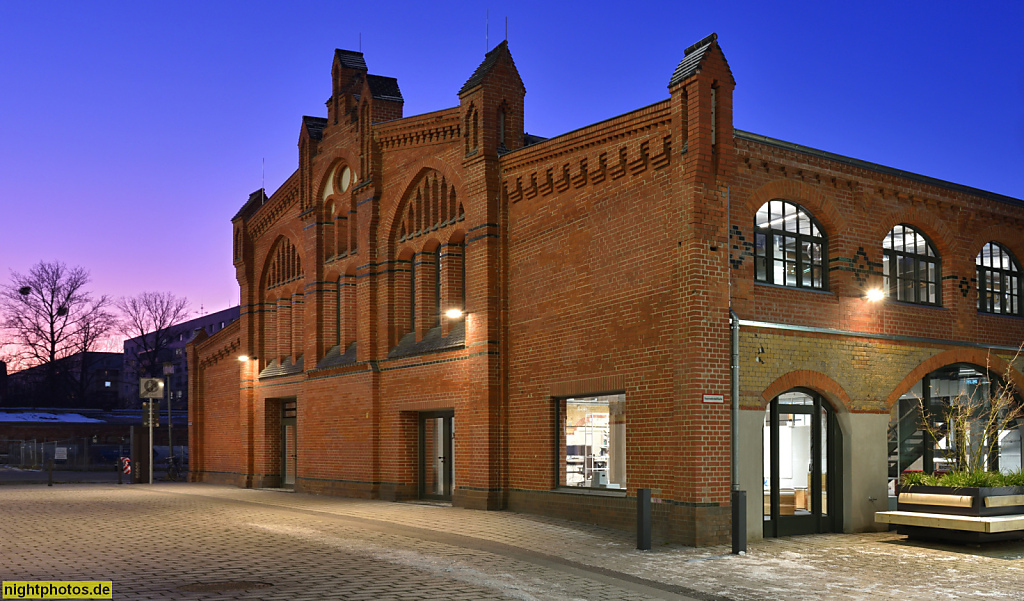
<point>999,281</point>
<point>911,269</point>
<point>790,246</point>
<point>437,286</point>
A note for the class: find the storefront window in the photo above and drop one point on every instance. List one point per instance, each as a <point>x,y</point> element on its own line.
<point>594,442</point>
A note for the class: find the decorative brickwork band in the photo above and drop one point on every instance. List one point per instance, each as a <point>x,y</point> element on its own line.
<point>860,266</point>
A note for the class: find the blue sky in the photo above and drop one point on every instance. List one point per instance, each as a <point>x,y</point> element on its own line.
<point>131,132</point>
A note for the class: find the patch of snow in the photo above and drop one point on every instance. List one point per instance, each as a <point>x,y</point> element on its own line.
<point>33,416</point>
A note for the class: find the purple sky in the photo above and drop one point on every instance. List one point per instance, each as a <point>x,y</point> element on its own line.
<point>131,132</point>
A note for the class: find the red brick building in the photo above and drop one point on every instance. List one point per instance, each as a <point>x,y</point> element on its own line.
<point>593,275</point>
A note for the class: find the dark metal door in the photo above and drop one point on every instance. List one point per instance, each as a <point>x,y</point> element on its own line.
<point>289,444</point>
<point>436,464</point>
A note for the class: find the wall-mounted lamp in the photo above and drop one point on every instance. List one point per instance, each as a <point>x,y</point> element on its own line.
<point>247,357</point>
<point>875,294</point>
<point>453,313</point>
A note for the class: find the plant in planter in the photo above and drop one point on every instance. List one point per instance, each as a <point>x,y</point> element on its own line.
<point>971,423</point>
<point>989,504</point>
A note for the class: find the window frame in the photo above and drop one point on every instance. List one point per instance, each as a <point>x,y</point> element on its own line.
<point>1014,294</point>
<point>892,282</point>
<point>561,483</point>
<point>764,256</point>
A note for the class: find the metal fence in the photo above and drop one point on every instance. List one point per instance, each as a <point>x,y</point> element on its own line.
<point>80,453</point>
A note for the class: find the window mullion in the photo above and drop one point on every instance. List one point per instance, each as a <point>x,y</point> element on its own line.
<point>917,278</point>
<point>799,261</point>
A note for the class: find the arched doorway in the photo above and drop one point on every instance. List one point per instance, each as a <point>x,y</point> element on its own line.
<point>802,463</point>
<point>971,391</point>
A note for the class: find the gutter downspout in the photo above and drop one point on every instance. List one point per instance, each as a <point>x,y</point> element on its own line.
<point>738,498</point>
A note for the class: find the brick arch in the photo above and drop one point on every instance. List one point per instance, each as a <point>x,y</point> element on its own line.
<point>816,381</point>
<point>345,159</point>
<point>820,206</point>
<point>1007,235</point>
<point>974,356</point>
<point>431,244</point>
<point>272,259</point>
<point>421,170</point>
<point>928,223</point>
<point>458,236</point>
<point>340,268</point>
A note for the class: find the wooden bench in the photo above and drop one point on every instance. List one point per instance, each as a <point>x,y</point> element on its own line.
<point>968,523</point>
<point>972,528</point>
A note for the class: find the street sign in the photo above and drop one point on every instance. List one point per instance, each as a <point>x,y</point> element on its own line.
<point>61,453</point>
<point>151,388</point>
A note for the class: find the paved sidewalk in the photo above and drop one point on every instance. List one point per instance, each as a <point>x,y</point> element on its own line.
<point>167,540</point>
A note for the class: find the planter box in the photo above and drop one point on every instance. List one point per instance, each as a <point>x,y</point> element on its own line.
<point>997,503</point>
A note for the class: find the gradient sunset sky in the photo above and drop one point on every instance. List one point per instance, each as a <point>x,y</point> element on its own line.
<point>131,132</point>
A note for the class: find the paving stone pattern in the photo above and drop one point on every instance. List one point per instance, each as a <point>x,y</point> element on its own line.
<point>167,540</point>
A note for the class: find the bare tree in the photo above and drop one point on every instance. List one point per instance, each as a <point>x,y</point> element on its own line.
<point>971,425</point>
<point>147,320</point>
<point>49,314</point>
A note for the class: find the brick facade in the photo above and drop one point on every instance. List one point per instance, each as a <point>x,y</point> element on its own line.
<point>604,260</point>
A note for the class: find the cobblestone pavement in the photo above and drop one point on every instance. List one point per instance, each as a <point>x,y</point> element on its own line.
<point>196,541</point>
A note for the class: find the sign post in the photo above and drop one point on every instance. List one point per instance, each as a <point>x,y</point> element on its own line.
<point>151,388</point>
<point>168,371</point>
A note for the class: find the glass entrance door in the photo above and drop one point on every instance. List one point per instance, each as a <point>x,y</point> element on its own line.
<point>436,465</point>
<point>800,475</point>
<point>289,444</point>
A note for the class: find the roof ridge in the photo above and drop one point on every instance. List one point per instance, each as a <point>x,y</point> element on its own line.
<point>877,167</point>
<point>704,42</point>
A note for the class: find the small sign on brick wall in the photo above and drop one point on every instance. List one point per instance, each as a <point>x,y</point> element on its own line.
<point>714,398</point>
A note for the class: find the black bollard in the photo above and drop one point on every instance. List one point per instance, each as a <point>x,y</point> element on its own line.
<point>643,519</point>
<point>120,470</point>
<point>739,522</point>
<point>49,482</point>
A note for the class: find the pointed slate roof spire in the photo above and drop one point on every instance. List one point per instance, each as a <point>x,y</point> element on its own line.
<point>384,88</point>
<point>692,59</point>
<point>314,126</point>
<point>350,59</point>
<point>490,59</point>
<point>256,200</point>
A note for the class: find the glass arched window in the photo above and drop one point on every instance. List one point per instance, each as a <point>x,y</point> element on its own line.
<point>790,246</point>
<point>999,282</point>
<point>910,267</point>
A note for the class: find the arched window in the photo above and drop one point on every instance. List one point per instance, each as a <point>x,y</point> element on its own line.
<point>790,246</point>
<point>437,286</point>
<point>999,282</point>
<point>330,236</point>
<point>412,293</point>
<point>339,313</point>
<point>910,267</point>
